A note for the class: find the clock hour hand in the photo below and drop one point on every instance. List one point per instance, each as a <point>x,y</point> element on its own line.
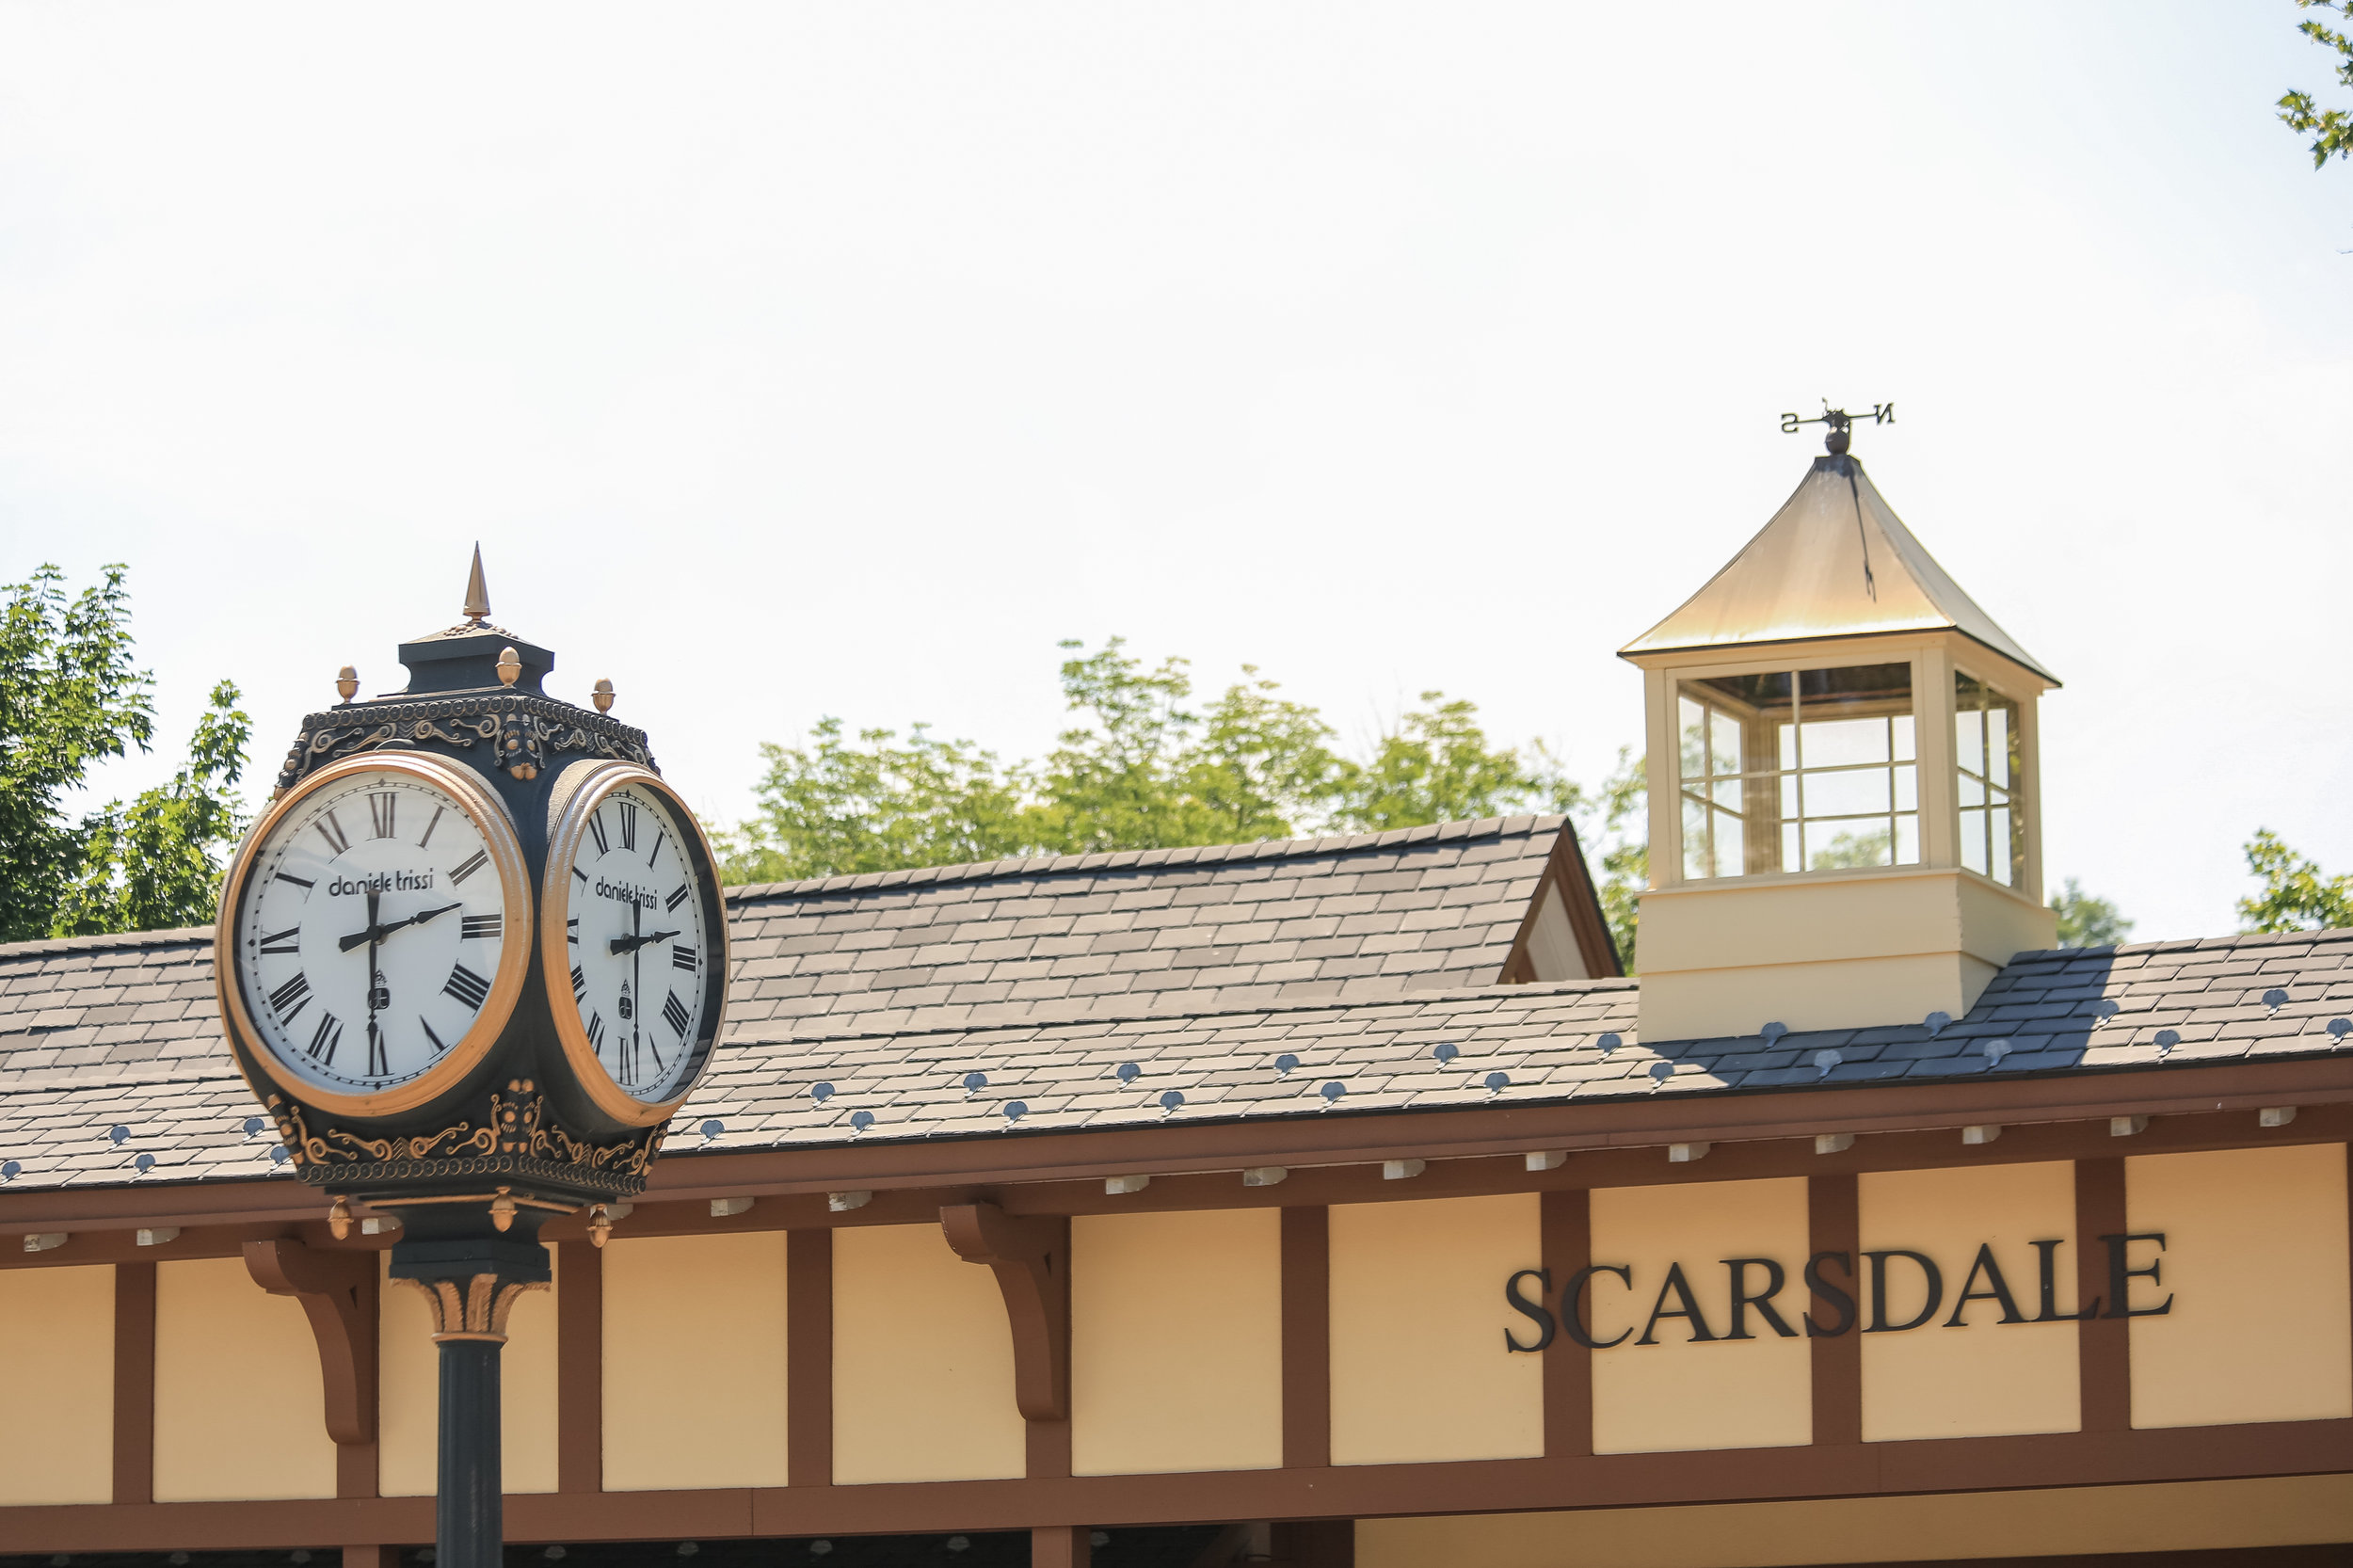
<point>630,944</point>
<point>377,933</point>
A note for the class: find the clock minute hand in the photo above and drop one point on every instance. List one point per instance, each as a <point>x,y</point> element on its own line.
<point>630,944</point>
<point>377,933</point>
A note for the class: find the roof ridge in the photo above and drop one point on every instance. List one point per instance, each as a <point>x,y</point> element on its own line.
<point>107,939</point>
<point>1524,825</point>
<point>2187,944</point>
<point>1465,993</point>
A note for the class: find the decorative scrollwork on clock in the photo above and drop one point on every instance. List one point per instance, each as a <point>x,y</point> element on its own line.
<point>521,732</point>
<point>518,1138</point>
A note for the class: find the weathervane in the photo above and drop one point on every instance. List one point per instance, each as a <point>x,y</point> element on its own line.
<point>1840,423</point>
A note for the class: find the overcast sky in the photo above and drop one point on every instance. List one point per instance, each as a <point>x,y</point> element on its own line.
<point>790,361</point>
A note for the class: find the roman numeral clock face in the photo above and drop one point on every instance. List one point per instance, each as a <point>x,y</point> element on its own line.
<point>373,926</point>
<point>638,959</point>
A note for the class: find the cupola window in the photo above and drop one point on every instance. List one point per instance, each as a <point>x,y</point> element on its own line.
<point>1800,770</point>
<point>1988,780</point>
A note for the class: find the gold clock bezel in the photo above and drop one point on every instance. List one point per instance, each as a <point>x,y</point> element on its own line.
<point>596,782</point>
<point>497,826</point>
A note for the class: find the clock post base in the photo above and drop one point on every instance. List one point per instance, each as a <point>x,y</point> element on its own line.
<point>471,1283</point>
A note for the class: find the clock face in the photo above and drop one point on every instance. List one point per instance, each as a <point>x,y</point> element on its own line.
<point>639,929</point>
<point>371,930</point>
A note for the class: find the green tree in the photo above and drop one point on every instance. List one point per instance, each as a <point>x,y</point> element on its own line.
<point>70,698</point>
<point>157,862</point>
<point>2086,922</point>
<point>2331,130</point>
<point>1120,780</point>
<point>1147,768</point>
<point>1437,766</point>
<point>2296,895</point>
<point>1264,767</point>
<point>836,808</point>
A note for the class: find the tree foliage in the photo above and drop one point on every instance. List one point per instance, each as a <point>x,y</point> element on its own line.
<point>1145,767</point>
<point>71,697</point>
<point>2331,130</point>
<point>2296,895</point>
<point>2086,922</point>
<point>156,863</point>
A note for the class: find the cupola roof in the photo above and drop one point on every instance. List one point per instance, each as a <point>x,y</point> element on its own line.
<point>1835,561</point>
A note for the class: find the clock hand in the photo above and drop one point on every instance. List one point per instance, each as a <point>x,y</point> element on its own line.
<point>630,944</point>
<point>376,933</point>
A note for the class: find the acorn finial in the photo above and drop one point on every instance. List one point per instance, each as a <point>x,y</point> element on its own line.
<point>477,592</point>
<point>510,666</point>
<point>339,1218</point>
<point>346,682</point>
<point>601,694</point>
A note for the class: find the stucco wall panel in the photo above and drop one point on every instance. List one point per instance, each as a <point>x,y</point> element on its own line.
<point>1419,1370</point>
<point>2255,1258</point>
<point>1679,1392</point>
<point>409,1392</point>
<point>1176,1341</point>
<point>1984,1378</point>
<point>239,1410</point>
<point>693,1362</point>
<point>922,1362</point>
<point>57,1400</point>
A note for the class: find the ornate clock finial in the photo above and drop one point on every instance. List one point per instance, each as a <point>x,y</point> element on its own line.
<point>347,682</point>
<point>603,696</point>
<point>477,592</point>
<point>510,665</point>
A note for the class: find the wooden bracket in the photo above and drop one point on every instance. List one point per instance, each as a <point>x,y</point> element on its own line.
<point>338,1293</point>
<point>1031,1259</point>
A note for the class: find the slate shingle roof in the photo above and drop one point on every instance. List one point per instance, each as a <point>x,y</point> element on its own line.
<point>99,1033</point>
<point>1157,931</point>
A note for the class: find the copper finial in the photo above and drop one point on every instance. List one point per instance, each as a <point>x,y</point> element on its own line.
<point>510,666</point>
<point>601,694</point>
<point>477,591</point>
<point>346,682</point>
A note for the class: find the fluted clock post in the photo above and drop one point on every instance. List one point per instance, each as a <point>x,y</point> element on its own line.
<point>471,959</point>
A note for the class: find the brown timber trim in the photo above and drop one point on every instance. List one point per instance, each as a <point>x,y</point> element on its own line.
<point>1315,1543</point>
<point>1061,1546</point>
<point>380,1556</point>
<point>134,1382</point>
<point>1306,1287</point>
<point>1566,1228</point>
<point>809,1357</point>
<point>2060,1116</point>
<point>1350,1492</point>
<point>1834,1208</point>
<point>579,1366</point>
<point>2103,1344</point>
<point>1031,1259</point>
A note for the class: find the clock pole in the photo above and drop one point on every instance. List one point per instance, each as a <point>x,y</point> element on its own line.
<point>472,1281</point>
<point>470,1137</point>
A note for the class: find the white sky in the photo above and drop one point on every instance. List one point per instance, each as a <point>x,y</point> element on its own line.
<point>792,361</point>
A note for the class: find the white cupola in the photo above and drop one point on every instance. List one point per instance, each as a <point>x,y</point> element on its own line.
<point>1844,821</point>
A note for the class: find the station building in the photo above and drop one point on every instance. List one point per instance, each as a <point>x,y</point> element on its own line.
<point>1329,1202</point>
